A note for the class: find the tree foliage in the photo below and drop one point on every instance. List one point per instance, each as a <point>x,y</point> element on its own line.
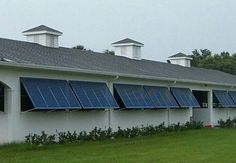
<point>224,61</point>
<point>80,47</point>
<point>109,52</point>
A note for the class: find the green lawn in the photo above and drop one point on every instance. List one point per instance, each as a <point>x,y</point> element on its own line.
<point>205,145</point>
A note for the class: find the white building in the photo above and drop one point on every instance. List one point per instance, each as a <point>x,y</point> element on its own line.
<point>45,87</point>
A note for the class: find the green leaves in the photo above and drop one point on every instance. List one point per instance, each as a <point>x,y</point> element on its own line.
<point>206,59</point>
<point>99,134</point>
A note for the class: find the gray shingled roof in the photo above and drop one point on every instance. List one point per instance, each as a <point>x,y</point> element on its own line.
<point>31,53</point>
<point>179,55</point>
<point>42,28</point>
<point>126,41</point>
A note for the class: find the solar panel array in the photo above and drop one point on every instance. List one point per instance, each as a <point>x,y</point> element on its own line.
<point>93,95</point>
<point>161,97</point>
<point>60,94</point>
<point>50,94</point>
<point>184,97</point>
<point>224,98</point>
<point>134,96</point>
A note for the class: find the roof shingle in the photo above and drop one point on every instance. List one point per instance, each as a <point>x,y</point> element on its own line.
<point>126,41</point>
<point>42,28</point>
<point>31,53</point>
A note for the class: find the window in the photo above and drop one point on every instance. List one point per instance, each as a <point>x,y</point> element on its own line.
<point>202,98</point>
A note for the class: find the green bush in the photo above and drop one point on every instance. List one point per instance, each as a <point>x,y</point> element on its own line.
<point>228,123</point>
<point>99,134</point>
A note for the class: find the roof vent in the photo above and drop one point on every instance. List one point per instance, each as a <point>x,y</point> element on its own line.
<point>128,48</point>
<point>180,59</point>
<point>43,35</point>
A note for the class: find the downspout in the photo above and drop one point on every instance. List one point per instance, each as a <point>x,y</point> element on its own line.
<point>110,84</point>
<point>168,109</point>
<point>228,109</point>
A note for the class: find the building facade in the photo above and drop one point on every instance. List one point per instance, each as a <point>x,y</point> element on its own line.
<point>45,87</point>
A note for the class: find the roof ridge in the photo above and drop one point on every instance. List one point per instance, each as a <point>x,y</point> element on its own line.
<point>127,40</point>
<point>42,28</point>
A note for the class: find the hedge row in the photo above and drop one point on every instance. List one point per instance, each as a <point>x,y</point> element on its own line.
<point>228,123</point>
<point>99,134</point>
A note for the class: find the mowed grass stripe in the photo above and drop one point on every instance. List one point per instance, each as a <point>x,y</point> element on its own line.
<point>204,145</point>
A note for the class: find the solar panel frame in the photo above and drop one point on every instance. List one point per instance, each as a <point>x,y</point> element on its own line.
<point>134,96</point>
<point>184,97</point>
<point>93,95</point>
<point>161,97</point>
<point>41,93</point>
<point>225,99</point>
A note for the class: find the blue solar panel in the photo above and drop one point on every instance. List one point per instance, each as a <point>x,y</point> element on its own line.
<point>233,96</point>
<point>184,97</point>
<point>93,95</point>
<point>134,96</point>
<point>224,98</point>
<point>161,97</point>
<point>50,94</point>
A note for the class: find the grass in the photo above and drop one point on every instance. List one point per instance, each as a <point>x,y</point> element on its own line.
<point>205,145</point>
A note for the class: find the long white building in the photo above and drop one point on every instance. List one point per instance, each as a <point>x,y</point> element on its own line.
<point>45,87</point>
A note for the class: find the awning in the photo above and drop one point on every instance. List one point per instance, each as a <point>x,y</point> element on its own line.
<point>184,97</point>
<point>224,98</point>
<point>50,94</point>
<point>93,95</point>
<point>161,97</point>
<point>133,96</point>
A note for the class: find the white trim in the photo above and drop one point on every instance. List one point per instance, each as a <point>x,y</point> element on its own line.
<point>178,58</point>
<point>127,44</point>
<point>42,32</point>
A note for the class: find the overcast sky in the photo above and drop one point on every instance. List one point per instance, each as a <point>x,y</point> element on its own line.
<point>166,27</point>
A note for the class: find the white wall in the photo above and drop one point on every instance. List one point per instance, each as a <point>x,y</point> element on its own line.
<point>181,61</point>
<point>130,51</point>
<point>133,118</point>
<point>15,125</point>
<point>44,39</point>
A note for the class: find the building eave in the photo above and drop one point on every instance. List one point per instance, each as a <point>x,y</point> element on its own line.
<point>104,73</point>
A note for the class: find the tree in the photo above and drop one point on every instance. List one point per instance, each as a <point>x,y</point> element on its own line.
<point>80,47</point>
<point>205,59</point>
<point>109,52</point>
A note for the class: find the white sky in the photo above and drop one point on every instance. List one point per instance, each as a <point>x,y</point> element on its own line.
<point>166,27</point>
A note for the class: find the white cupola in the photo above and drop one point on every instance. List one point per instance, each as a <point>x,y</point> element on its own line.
<point>180,59</point>
<point>128,48</point>
<point>43,35</point>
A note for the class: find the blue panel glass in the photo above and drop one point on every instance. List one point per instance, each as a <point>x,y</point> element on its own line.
<point>93,95</point>
<point>50,94</point>
<point>233,96</point>
<point>224,98</point>
<point>185,97</point>
<point>161,97</point>
<point>134,96</point>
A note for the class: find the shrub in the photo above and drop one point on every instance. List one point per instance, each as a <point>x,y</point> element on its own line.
<point>99,134</point>
<point>228,123</point>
